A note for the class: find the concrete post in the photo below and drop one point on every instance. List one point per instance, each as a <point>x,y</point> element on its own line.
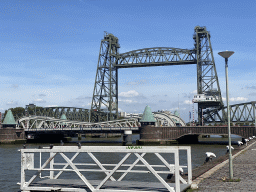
<point>127,137</point>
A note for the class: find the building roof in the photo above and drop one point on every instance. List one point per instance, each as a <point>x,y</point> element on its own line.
<point>9,119</point>
<point>148,115</point>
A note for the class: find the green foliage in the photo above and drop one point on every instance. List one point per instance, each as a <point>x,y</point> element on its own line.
<point>19,112</point>
<point>225,179</point>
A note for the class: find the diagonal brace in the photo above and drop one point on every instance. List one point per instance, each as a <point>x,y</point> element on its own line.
<point>78,172</point>
<point>154,173</point>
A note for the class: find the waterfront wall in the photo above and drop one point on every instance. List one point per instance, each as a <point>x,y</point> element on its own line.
<point>152,133</point>
<point>8,135</point>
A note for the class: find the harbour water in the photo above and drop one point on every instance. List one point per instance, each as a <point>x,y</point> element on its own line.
<point>10,158</point>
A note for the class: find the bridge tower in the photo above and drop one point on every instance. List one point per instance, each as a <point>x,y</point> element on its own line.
<point>105,93</point>
<point>207,79</point>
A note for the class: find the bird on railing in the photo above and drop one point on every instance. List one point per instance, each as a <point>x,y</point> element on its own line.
<point>24,146</point>
<point>239,143</point>
<point>228,148</point>
<point>169,176</point>
<point>51,146</point>
<point>61,143</point>
<point>253,137</point>
<point>209,156</point>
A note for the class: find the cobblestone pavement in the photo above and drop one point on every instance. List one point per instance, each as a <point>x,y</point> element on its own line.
<point>244,168</point>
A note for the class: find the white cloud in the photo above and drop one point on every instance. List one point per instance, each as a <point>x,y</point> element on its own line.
<point>235,99</point>
<point>39,101</point>
<point>194,92</point>
<point>238,99</point>
<point>128,101</point>
<point>172,109</point>
<point>131,93</point>
<point>188,102</point>
<point>120,110</point>
<point>12,103</point>
<point>52,106</point>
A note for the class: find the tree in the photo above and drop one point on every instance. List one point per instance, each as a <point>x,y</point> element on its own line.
<point>17,112</point>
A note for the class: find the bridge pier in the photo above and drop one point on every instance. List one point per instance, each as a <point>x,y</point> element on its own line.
<point>127,137</point>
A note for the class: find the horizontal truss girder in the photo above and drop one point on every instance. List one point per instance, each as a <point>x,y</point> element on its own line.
<point>158,56</point>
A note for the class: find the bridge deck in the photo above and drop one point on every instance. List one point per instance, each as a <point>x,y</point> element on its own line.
<point>109,185</point>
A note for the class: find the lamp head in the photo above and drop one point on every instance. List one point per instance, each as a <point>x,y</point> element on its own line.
<point>226,54</point>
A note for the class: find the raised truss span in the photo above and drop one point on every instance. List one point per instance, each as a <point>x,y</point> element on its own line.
<point>158,56</point>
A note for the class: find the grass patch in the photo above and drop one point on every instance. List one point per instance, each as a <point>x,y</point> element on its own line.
<point>225,179</point>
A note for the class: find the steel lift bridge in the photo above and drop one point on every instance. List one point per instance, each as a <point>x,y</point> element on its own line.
<point>105,94</point>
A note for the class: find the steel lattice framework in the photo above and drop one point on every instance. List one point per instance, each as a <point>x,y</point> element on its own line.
<point>72,113</point>
<point>239,113</point>
<point>165,119</point>
<point>157,56</point>
<point>105,93</point>
<point>207,79</point>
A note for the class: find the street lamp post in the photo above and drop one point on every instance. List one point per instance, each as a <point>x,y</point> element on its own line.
<point>226,55</point>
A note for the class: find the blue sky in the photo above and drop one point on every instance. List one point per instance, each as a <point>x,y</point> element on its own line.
<point>49,50</point>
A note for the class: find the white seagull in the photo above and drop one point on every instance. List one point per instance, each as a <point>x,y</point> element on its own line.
<point>253,137</point>
<point>250,138</point>
<point>239,143</point>
<point>209,156</point>
<point>169,176</point>
<point>228,148</point>
<point>246,140</point>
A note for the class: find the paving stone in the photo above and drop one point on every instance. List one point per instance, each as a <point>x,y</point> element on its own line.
<point>244,168</point>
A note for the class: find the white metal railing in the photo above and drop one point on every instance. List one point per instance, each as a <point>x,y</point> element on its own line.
<point>29,158</point>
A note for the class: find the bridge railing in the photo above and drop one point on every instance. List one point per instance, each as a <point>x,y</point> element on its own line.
<point>136,159</point>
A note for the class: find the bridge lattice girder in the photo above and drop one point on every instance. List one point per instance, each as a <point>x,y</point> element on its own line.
<point>42,122</point>
<point>72,113</point>
<point>167,119</point>
<point>239,113</point>
<point>157,56</point>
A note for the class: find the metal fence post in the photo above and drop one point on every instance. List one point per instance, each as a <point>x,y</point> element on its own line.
<point>51,166</point>
<point>189,165</point>
<point>177,171</point>
<point>22,177</point>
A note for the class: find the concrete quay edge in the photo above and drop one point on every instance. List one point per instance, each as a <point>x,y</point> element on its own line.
<point>207,174</point>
